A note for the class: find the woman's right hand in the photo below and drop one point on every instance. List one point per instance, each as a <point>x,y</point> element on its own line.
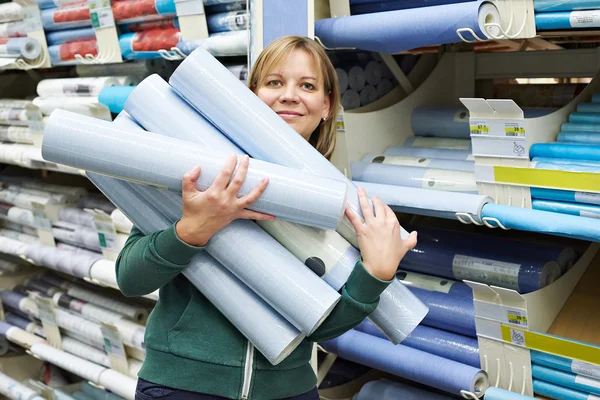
<point>207,212</point>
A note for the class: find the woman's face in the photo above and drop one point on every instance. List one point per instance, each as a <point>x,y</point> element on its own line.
<point>295,91</point>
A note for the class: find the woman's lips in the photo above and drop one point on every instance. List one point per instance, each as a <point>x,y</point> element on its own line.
<point>289,114</point>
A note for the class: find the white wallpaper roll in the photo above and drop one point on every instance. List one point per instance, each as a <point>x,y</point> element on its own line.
<point>88,310</point>
<point>21,216</point>
<point>76,216</point>
<point>85,351</point>
<point>80,105</point>
<point>16,134</point>
<point>22,338</point>
<point>131,311</point>
<point>132,334</point>
<point>373,72</point>
<point>86,369</point>
<point>357,78</point>
<point>368,95</point>
<point>75,87</point>
<point>62,260</point>
<point>14,389</point>
<point>10,12</point>
<point>73,192</point>
<point>21,237</point>
<point>18,154</point>
<point>103,271</point>
<point>132,154</point>
<point>13,115</point>
<point>119,384</point>
<point>12,246</point>
<point>23,199</point>
<point>122,224</point>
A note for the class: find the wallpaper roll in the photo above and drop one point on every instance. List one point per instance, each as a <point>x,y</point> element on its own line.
<point>452,346</point>
<point>434,283</point>
<point>69,17</point>
<point>227,21</point>
<point>27,48</point>
<point>21,237</point>
<point>558,392</point>
<point>565,150</point>
<point>566,20</point>
<point>13,116</point>
<point>416,177</point>
<point>10,12</point>
<point>437,163</point>
<point>299,197</point>
<point>544,222</point>
<point>76,87</point>
<point>76,216</point>
<point>16,134</point>
<point>147,43</point>
<point>216,6</point>
<point>103,271</point>
<point>122,224</point>
<point>425,202</point>
<point>71,35</point>
<point>494,393</point>
<point>579,137</point>
<point>566,364</point>
<point>563,5</point>
<point>64,54</point>
<point>350,99</point>
<point>128,11</point>
<point>565,195</point>
<point>73,192</point>
<point>149,25</point>
<point>117,383</point>
<point>408,363</point>
<point>582,117</point>
<point>14,389</point>
<point>43,4</point>
<point>368,95</point>
<point>234,43</point>
<point>62,260</point>
<point>583,210</point>
<point>19,336</point>
<point>131,311</point>
<point>272,335</point>
<point>448,154</point>
<point>574,167</point>
<point>448,122</point>
<point>342,79</point>
<point>12,29</point>
<point>91,311</point>
<point>395,30</point>
<point>397,321</point>
<point>438,143</point>
<point>114,97</point>
<point>566,379</point>
<point>388,390</point>
<point>79,105</point>
<point>588,108</point>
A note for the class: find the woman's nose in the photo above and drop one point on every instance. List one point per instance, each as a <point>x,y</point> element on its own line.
<point>289,94</point>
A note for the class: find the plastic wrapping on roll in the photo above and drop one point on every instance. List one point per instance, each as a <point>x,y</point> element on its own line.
<point>437,163</point>
<point>27,48</point>
<point>565,195</point>
<point>452,346</point>
<point>449,154</point>
<point>579,137</point>
<point>84,87</point>
<point>64,54</point>
<point>574,167</point>
<point>406,318</point>
<point>566,379</point>
<point>434,283</point>
<point>543,222</point>
<point>146,44</point>
<point>76,216</point>
<point>583,210</point>
<point>16,134</point>
<point>565,364</point>
<point>449,122</point>
<point>388,390</point>
<point>558,392</point>
<point>424,202</point>
<point>13,116</point>
<point>227,21</point>
<point>272,335</point>
<point>564,5</point>
<point>71,35</point>
<point>14,389</point>
<point>416,177</point>
<point>234,43</point>
<point>565,150</point>
<point>10,12</point>
<point>397,31</point>
<point>494,393</point>
<point>70,17</point>
<point>408,363</point>
<point>567,20</point>
<point>133,312</point>
<point>128,11</point>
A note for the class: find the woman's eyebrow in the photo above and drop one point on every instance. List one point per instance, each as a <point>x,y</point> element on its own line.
<point>309,77</point>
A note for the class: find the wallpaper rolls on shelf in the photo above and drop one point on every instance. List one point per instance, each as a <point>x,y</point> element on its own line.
<point>134,312</point>
<point>117,383</point>
<point>398,312</point>
<point>64,54</point>
<point>75,16</point>
<point>368,95</point>
<point>408,363</point>
<point>13,116</point>
<point>69,362</point>
<point>14,389</point>
<point>437,163</point>
<point>566,379</point>
<point>103,271</point>
<point>580,137</point>
<point>438,143</point>
<point>565,195</point>
<point>342,79</point>
<point>447,154</point>
<point>10,12</point>
<point>272,335</point>
<point>395,30</point>
<point>62,260</point>
<point>114,97</point>
<point>234,43</point>
<point>567,20</point>
<point>16,134</point>
<point>20,47</point>
<point>142,10</point>
<point>76,216</point>
<point>424,202</point>
<point>565,364</point>
<point>588,108</point>
<point>292,195</point>
<point>43,4</point>
<point>388,390</point>
<point>544,222</point>
<point>434,283</point>
<point>583,210</point>
<point>19,336</point>
<point>564,5</point>
<point>494,393</point>
<point>424,178</point>
<point>149,25</point>
<point>227,21</point>
<point>71,35</point>
<point>79,87</point>
<point>445,344</point>
<point>146,44</point>
<point>79,105</point>
<point>350,99</point>
<point>584,117</point>
<point>558,392</point>
<point>580,127</point>
<point>448,122</point>
<point>565,150</point>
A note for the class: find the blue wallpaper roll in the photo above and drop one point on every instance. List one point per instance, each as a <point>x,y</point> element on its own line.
<point>592,163</point>
<point>441,343</point>
<point>114,97</point>
<point>4,327</point>
<point>566,195</point>
<point>17,320</point>
<point>450,313</point>
<point>369,7</point>
<point>435,283</point>
<point>564,150</point>
<point>580,137</point>
<point>585,117</point>
<point>544,222</point>
<point>21,47</point>
<point>236,5</point>
<point>227,21</point>
<point>557,392</point>
<point>583,210</point>
<point>388,390</point>
<point>408,363</point>
<point>521,273</point>
<point>580,127</point>
<point>234,43</point>
<point>565,364</point>
<point>428,153</point>
<point>74,17</point>
<point>565,20</point>
<point>498,247</point>
<point>588,108</point>
<point>566,379</point>
<point>449,122</point>
<point>396,31</point>
<point>573,167</point>
<point>564,5</point>
<point>494,393</point>
<point>438,143</point>
<point>436,163</point>
<point>71,35</point>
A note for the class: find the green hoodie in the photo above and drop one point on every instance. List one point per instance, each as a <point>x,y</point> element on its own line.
<point>190,345</point>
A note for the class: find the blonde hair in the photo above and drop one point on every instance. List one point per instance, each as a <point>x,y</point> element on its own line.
<point>324,136</point>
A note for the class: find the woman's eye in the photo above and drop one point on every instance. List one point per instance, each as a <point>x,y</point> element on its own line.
<point>274,83</point>
<point>308,86</point>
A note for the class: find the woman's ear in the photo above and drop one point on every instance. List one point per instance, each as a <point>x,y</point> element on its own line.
<point>326,106</point>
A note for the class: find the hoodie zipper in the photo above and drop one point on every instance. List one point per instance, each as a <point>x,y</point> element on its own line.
<point>248,371</point>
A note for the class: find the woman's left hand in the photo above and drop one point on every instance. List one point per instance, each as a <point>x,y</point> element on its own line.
<point>381,246</point>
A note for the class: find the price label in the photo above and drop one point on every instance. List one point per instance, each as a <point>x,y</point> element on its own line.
<point>479,127</point>
<point>514,129</point>
<point>46,314</point>
<point>101,14</point>
<point>40,218</point>
<point>339,123</point>
<point>32,19</point>
<point>115,349</point>
<point>107,234</point>
<point>516,317</point>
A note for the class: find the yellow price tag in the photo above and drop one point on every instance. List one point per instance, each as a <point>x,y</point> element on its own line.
<point>479,129</point>
<point>514,131</point>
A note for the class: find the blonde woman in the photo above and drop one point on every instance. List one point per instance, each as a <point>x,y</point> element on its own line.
<point>192,351</point>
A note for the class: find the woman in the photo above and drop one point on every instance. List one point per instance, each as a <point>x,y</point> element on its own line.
<point>192,351</point>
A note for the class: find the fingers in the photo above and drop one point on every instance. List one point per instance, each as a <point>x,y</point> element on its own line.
<point>188,184</point>
<point>223,178</point>
<point>247,214</point>
<point>411,241</point>
<point>365,206</point>
<point>251,197</point>
<point>354,219</point>
<point>239,177</point>
<point>379,207</point>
